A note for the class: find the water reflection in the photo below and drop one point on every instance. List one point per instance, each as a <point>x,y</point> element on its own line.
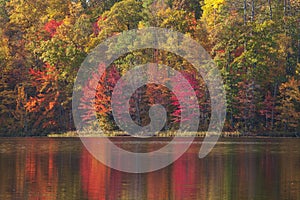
<point>45,168</point>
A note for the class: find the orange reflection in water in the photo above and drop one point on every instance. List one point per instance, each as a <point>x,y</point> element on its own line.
<point>97,181</point>
<point>178,181</point>
<point>41,176</point>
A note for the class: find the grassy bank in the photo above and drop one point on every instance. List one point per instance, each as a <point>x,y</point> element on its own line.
<point>161,134</point>
<point>198,134</point>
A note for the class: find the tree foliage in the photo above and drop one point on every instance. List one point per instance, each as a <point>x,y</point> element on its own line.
<point>254,43</point>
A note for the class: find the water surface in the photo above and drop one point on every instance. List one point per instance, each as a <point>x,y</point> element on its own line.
<point>61,168</point>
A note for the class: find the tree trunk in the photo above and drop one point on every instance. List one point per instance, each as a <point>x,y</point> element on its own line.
<point>284,7</point>
<point>252,10</point>
<point>270,8</point>
<point>273,107</point>
<point>245,12</point>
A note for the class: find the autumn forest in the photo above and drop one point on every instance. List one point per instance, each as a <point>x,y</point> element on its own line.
<point>254,43</point>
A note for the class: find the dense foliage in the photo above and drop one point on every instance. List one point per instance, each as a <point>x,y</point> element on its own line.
<point>254,43</point>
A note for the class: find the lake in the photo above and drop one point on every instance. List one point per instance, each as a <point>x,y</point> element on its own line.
<point>237,168</point>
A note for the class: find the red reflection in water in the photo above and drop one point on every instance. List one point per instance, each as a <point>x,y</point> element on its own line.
<point>97,180</point>
<point>184,176</point>
<point>178,181</point>
<point>35,168</point>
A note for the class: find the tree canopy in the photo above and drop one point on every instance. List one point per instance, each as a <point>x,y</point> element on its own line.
<point>254,43</point>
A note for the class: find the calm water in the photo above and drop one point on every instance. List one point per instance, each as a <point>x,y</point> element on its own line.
<point>43,168</point>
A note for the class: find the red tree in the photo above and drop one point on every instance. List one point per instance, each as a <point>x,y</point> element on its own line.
<point>51,27</point>
<point>183,93</point>
<point>43,104</point>
<point>97,95</point>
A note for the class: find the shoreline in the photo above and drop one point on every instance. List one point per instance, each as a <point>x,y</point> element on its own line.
<point>116,134</point>
<point>233,134</point>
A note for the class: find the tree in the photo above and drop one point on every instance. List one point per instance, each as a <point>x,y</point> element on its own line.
<point>289,106</point>
<point>188,97</point>
<point>122,16</point>
<point>99,101</point>
<point>267,110</point>
<point>245,105</point>
<point>254,43</point>
<point>44,106</point>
